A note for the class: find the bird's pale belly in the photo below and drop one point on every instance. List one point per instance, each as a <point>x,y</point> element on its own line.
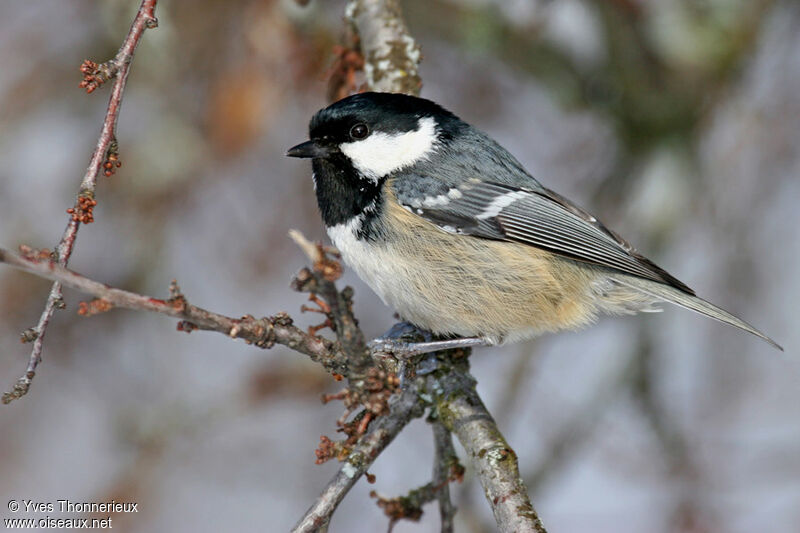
<point>468,286</point>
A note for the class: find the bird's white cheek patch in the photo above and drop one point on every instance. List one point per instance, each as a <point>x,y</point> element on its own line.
<point>382,153</point>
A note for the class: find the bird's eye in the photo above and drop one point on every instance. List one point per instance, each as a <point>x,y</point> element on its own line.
<point>359,131</point>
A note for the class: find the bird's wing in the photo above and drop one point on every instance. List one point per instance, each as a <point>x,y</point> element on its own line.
<point>540,218</point>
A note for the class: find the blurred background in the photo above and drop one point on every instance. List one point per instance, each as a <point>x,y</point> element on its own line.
<point>676,122</point>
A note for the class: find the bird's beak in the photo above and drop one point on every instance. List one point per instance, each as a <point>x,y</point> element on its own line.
<point>308,149</point>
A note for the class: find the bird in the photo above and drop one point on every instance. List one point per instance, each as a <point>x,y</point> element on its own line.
<point>450,230</point>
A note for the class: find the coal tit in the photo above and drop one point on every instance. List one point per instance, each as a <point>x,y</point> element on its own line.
<point>450,230</point>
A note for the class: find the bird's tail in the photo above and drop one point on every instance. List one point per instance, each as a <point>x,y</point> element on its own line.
<point>693,303</point>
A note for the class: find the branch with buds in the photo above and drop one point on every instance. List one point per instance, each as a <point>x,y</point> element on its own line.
<point>376,407</point>
<point>105,159</point>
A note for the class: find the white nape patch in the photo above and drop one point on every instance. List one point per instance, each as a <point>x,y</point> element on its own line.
<point>383,153</point>
<point>501,202</point>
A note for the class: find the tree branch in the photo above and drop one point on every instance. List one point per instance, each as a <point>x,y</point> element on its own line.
<point>446,468</point>
<point>391,56</point>
<point>340,304</point>
<point>264,332</point>
<point>444,462</point>
<point>462,412</point>
<point>403,409</point>
<point>104,157</point>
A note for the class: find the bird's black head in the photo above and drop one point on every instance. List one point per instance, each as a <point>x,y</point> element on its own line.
<point>359,141</point>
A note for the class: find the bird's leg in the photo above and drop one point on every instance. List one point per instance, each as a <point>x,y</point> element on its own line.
<point>407,344</point>
<point>409,350</point>
<point>392,342</point>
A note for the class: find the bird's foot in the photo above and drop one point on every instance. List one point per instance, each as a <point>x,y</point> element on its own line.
<point>409,350</point>
<point>401,342</point>
<point>412,349</point>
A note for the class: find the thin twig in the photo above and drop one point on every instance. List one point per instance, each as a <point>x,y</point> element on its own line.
<point>119,68</point>
<point>446,468</point>
<point>444,460</point>
<point>404,408</point>
<point>320,281</point>
<point>264,332</point>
